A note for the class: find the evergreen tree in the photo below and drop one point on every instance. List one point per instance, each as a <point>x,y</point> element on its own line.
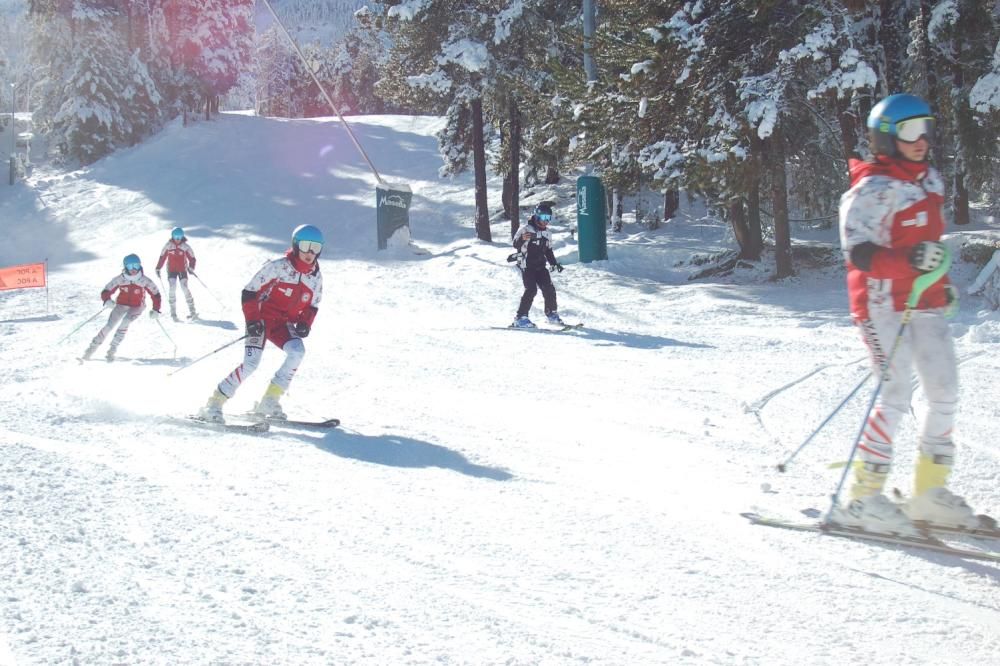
<point>91,117</point>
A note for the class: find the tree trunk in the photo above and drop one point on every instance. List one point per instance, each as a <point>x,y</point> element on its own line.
<point>505,195</point>
<point>515,165</point>
<point>779,203</point>
<point>479,166</point>
<point>616,210</point>
<point>551,175</point>
<point>848,128</point>
<point>756,242</point>
<point>671,202</point>
<point>738,221</point>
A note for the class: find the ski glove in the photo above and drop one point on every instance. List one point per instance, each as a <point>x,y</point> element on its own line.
<point>301,329</point>
<point>927,256</point>
<point>154,314</point>
<point>255,328</point>
<point>558,268</point>
<point>109,303</point>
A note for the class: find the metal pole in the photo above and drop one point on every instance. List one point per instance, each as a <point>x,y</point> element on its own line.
<point>13,133</point>
<point>322,89</point>
<point>589,24</point>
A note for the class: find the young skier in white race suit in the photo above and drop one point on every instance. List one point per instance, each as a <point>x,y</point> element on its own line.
<point>533,243</point>
<point>279,303</point>
<point>132,286</point>
<point>180,260</point>
<point>890,230</point>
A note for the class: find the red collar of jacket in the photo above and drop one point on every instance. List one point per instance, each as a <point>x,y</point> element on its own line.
<point>298,264</point>
<point>892,167</point>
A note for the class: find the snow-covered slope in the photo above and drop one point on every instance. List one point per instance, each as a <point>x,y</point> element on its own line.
<point>493,496</point>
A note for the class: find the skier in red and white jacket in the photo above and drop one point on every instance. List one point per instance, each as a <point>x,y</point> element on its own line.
<point>132,286</point>
<point>890,230</point>
<point>280,303</point>
<point>180,260</point>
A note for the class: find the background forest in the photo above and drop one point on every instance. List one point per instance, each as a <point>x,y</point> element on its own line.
<point>754,106</point>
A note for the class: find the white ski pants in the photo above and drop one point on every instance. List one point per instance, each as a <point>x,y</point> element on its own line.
<point>172,280</point>
<point>120,313</point>
<point>294,350</point>
<point>928,348</point>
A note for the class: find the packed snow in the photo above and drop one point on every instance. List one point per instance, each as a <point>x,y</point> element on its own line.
<point>493,496</point>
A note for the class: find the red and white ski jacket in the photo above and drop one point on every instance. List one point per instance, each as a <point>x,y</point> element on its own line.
<point>893,204</point>
<point>132,290</point>
<point>285,290</point>
<point>178,256</point>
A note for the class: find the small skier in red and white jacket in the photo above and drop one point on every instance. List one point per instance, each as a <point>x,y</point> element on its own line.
<point>279,303</point>
<point>180,260</point>
<point>891,224</point>
<point>132,286</point>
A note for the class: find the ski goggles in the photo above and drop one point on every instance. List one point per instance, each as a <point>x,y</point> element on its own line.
<point>911,129</point>
<point>132,267</point>
<point>177,235</point>
<point>544,217</point>
<point>310,246</point>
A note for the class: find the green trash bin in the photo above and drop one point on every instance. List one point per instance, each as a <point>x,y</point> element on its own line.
<point>591,220</point>
<point>392,210</point>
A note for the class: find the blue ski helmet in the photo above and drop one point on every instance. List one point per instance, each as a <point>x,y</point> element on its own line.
<point>542,215</point>
<point>887,119</point>
<point>177,233</point>
<point>307,238</point>
<point>131,263</point>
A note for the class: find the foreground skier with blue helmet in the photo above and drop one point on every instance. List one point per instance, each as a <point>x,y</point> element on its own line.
<point>890,230</point>
<point>279,303</point>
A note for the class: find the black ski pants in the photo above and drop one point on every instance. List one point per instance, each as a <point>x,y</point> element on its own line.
<point>535,279</point>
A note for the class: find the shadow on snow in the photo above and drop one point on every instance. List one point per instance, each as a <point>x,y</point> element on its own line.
<point>396,451</point>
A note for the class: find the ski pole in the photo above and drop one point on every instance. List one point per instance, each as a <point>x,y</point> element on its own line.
<point>221,304</point>
<point>202,358</point>
<point>167,334</point>
<point>87,321</point>
<point>919,286</point>
<point>782,467</point>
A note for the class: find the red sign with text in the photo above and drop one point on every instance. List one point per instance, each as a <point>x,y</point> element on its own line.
<point>22,277</point>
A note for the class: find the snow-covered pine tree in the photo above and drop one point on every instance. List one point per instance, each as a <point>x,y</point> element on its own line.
<point>213,44</point>
<point>965,32</point>
<point>441,48</point>
<point>276,67</point>
<point>92,117</point>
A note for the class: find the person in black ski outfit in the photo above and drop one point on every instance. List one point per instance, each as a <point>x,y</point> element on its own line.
<point>533,243</point>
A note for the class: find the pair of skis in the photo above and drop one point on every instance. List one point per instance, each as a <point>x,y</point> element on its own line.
<point>932,539</point>
<point>253,424</point>
<point>544,328</point>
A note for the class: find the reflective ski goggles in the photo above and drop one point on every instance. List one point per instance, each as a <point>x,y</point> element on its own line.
<point>133,268</point>
<point>177,235</point>
<point>911,129</point>
<point>544,217</point>
<point>310,246</point>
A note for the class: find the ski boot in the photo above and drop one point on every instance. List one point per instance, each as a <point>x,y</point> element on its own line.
<point>111,354</point>
<point>554,318</point>
<point>269,406</point>
<point>522,321</point>
<point>933,503</point>
<point>212,411</point>
<point>90,351</point>
<point>875,513</point>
